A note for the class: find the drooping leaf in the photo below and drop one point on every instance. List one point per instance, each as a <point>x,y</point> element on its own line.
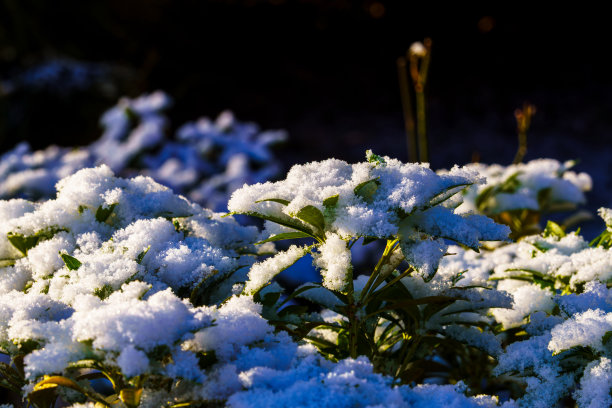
<point>56,381</point>
<point>282,220</point>
<point>252,289</point>
<point>299,291</point>
<point>71,262</point>
<point>276,200</point>
<point>285,235</point>
<point>446,194</point>
<point>102,213</point>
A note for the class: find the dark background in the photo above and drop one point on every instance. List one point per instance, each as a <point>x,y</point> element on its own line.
<point>325,71</point>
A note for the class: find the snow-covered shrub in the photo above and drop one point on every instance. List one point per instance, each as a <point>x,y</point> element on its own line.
<point>33,175</point>
<point>519,194</point>
<point>395,314</point>
<point>58,75</point>
<point>556,336</point>
<point>567,350</point>
<point>90,279</point>
<point>123,280</point>
<point>206,161</point>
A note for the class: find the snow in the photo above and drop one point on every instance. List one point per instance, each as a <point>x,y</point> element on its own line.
<point>164,287</point>
<point>334,259</point>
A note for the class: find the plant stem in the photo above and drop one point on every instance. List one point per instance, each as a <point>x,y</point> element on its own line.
<point>419,79</point>
<point>383,259</point>
<point>523,121</point>
<point>421,125</point>
<point>353,321</point>
<point>407,109</point>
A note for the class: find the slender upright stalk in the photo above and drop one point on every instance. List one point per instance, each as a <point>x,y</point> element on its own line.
<point>420,55</point>
<point>416,63</point>
<point>407,109</point>
<point>353,321</point>
<point>523,121</point>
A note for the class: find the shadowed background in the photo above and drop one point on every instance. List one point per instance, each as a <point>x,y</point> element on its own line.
<point>323,70</point>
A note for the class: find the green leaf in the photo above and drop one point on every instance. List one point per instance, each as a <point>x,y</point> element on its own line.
<point>282,220</point>
<point>276,200</point>
<point>71,262</point>
<point>267,299</point>
<point>254,290</point>
<point>103,213</point>
<point>6,262</point>
<point>159,352</point>
<point>205,291</point>
<point>141,255</point>
<point>24,243</point>
<point>433,308</point>
<point>544,196</point>
<point>55,381</point>
<point>285,235</point>
<point>458,276</point>
<point>368,240</point>
<point>604,240</point>
<point>341,296</point>
<point>206,359</point>
<point>553,230</point>
<point>510,185</point>
<point>447,193</point>
<point>374,158</point>
<point>313,216</point>
<point>293,310</point>
<point>103,292</point>
<point>299,291</point>
<point>304,328</point>
<point>540,246</point>
<point>367,189</point>
<point>606,337</point>
<point>481,199</point>
<point>331,202</point>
